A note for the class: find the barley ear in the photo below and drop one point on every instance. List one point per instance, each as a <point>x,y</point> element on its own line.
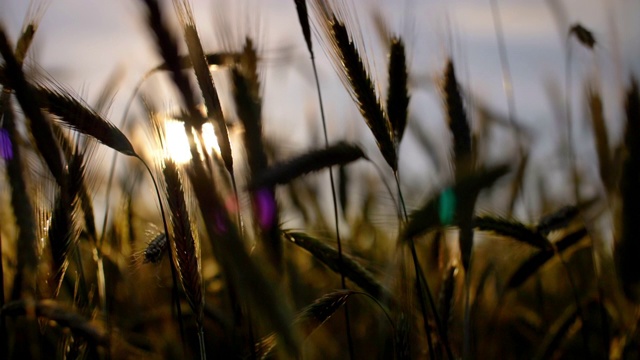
<point>457,120</point>
<point>538,259</point>
<point>303,17</point>
<point>184,243</point>
<point>205,80</point>
<point>315,160</point>
<point>351,269</point>
<point>398,92</point>
<point>80,117</point>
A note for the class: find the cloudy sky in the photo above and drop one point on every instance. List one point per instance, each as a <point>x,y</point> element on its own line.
<point>84,43</point>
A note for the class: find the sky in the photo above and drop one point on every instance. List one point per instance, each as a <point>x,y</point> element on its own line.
<point>85,43</point>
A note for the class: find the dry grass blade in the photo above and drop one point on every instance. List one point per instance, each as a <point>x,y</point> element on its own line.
<point>185,245</point>
<point>54,311</point>
<point>537,260</point>
<point>205,80</point>
<point>457,118</point>
<point>303,17</point>
<point>39,125</point>
<point>20,201</point>
<point>351,269</point>
<point>168,48</point>
<point>513,229</point>
<point>355,76</point>
<point>79,117</point>
<point>398,92</point>
<point>628,245</point>
<point>281,173</point>
<point>601,137</point>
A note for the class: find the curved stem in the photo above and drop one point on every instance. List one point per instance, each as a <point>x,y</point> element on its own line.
<point>335,209</point>
<point>172,262</point>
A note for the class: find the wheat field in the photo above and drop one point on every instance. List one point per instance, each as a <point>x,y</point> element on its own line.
<point>183,229</point>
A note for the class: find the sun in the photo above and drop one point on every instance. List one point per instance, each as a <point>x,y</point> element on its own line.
<point>177,143</point>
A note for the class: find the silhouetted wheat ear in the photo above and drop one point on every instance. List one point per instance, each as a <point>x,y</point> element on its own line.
<point>79,117</point>
<point>310,319</point>
<point>184,242</point>
<point>24,42</point>
<point>558,219</point>
<point>513,229</point>
<point>584,36</point>
<point>21,205</point>
<point>86,203</point>
<point>456,118</point>
<point>281,173</point>
<point>303,17</point>
<point>64,230</point>
<point>398,92</point>
<point>248,104</point>
<point>537,260</point>
<point>205,80</point>
<point>13,78</point>
<point>354,75</point>
<point>168,48</point>
<point>628,246</point>
<point>351,269</point>
<point>363,91</point>
<point>59,315</point>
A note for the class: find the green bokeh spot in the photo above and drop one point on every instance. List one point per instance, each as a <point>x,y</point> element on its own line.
<point>447,206</point>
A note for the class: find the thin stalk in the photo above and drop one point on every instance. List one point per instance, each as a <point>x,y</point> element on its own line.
<point>570,150</point>
<point>466,346</point>
<point>575,186</point>
<point>576,299</point>
<point>418,271</point>
<point>335,209</point>
<point>203,353</point>
<point>507,85</point>
<point>172,262</point>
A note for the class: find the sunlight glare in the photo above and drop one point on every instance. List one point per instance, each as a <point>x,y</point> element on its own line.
<point>177,143</point>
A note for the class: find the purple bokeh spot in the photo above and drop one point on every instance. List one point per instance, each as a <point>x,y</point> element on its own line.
<point>266,207</point>
<point>6,150</point>
<point>220,222</point>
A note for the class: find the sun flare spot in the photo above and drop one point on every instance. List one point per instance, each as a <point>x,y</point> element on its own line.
<point>177,143</point>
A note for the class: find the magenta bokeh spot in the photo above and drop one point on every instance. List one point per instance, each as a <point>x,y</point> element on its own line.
<point>265,205</point>
<point>6,150</point>
<point>220,222</point>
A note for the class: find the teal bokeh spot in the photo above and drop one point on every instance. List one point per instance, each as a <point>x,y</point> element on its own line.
<point>447,206</point>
